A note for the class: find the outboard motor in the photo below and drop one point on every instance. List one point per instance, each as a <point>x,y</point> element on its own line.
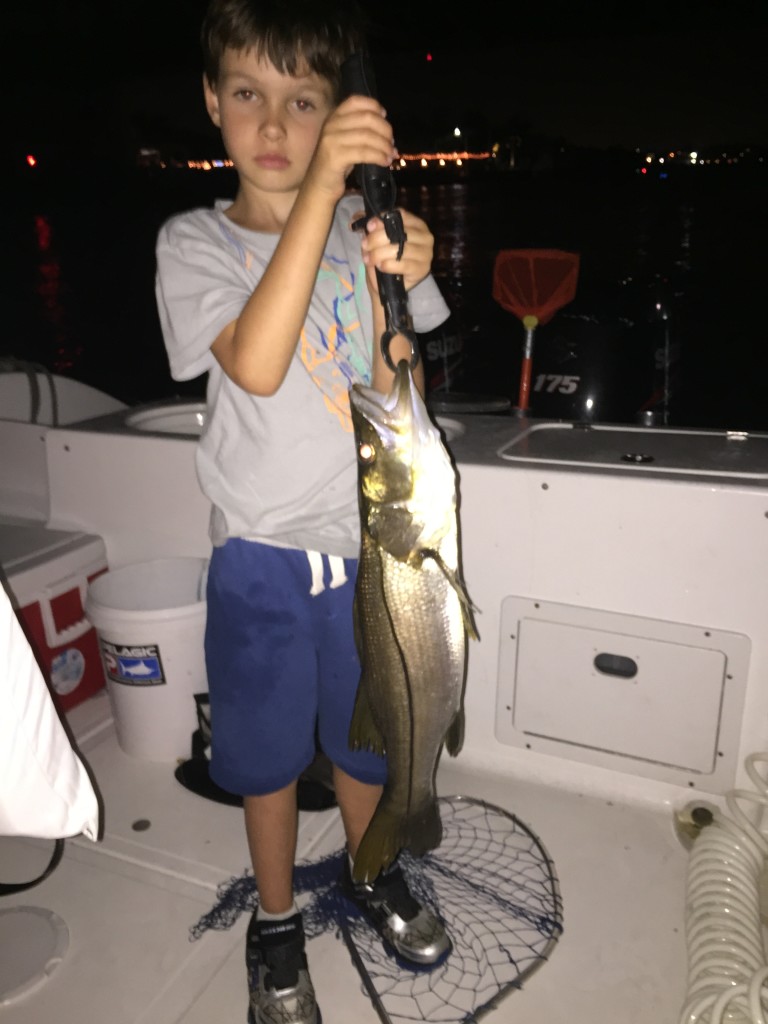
<point>609,357</point>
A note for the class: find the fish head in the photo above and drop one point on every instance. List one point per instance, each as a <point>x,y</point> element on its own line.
<point>406,479</point>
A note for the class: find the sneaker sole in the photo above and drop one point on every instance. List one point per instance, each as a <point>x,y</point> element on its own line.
<point>414,966</point>
<point>252,1019</point>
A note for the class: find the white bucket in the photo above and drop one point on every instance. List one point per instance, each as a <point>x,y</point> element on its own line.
<point>150,620</point>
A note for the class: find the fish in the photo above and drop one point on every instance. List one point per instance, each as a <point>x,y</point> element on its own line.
<point>412,616</point>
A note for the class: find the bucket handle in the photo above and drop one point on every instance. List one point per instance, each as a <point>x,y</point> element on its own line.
<point>53,636</point>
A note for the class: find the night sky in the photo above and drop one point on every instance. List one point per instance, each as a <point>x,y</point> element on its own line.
<point>677,74</point>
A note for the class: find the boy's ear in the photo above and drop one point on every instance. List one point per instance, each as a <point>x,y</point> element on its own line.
<point>211,102</point>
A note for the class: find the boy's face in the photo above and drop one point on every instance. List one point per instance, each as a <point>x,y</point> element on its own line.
<point>270,122</point>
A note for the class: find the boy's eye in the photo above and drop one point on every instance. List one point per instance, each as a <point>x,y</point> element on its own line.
<point>305,105</point>
<point>245,94</point>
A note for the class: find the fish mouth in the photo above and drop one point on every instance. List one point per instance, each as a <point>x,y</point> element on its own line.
<point>394,413</point>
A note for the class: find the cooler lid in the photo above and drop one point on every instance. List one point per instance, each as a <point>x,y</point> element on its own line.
<point>36,561</point>
<point>21,547</point>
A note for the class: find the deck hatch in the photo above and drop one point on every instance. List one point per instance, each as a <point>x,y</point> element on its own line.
<point>656,698</point>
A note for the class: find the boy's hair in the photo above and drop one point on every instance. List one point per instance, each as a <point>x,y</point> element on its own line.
<point>291,34</point>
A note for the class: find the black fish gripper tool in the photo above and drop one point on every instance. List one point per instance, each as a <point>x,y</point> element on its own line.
<point>377,185</point>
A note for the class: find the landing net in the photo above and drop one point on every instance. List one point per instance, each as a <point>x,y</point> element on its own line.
<point>492,883</point>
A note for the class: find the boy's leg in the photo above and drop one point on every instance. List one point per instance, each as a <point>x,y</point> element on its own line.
<point>263,717</point>
<point>278,977</point>
<point>271,824</point>
<point>409,930</point>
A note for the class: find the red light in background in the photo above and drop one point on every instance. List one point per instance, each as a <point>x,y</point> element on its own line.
<point>429,56</point>
<point>31,160</point>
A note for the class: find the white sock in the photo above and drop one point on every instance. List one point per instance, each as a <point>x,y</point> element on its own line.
<point>262,915</point>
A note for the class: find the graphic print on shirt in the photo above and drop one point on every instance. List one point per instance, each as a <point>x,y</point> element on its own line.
<point>336,359</point>
<point>244,255</point>
<point>338,356</point>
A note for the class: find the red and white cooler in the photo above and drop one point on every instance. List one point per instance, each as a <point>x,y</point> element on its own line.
<point>46,575</point>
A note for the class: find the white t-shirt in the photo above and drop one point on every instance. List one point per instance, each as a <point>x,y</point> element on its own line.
<point>282,469</point>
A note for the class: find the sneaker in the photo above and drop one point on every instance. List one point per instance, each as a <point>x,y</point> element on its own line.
<point>278,980</point>
<point>411,933</point>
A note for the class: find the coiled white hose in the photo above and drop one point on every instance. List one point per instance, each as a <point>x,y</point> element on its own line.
<point>727,965</point>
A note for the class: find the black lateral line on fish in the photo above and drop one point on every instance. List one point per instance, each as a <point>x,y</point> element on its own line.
<point>409,692</point>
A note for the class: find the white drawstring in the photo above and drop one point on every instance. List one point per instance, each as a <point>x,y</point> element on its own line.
<point>315,560</point>
<point>338,572</point>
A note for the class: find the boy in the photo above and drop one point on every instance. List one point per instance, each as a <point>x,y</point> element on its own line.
<point>274,296</point>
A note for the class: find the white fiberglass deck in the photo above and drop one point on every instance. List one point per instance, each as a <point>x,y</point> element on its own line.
<point>577,565</point>
<point>130,900</point>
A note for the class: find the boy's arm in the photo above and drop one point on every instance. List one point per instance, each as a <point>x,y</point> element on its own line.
<point>256,349</point>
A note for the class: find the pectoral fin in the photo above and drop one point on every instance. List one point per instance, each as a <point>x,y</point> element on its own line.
<point>467,608</point>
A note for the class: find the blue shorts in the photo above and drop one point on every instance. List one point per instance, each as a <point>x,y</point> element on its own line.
<point>282,667</point>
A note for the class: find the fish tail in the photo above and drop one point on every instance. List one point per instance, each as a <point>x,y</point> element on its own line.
<point>388,833</point>
<point>425,830</point>
<point>379,846</point>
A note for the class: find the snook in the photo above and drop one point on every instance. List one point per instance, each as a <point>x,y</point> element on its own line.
<point>412,616</point>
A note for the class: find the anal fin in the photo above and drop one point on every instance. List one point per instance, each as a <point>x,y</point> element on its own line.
<point>364,734</point>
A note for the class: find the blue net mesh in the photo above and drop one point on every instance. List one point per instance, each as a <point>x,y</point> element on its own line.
<point>490,880</point>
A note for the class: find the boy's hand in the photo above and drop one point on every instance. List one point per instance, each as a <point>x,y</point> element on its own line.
<point>357,132</point>
<point>379,253</point>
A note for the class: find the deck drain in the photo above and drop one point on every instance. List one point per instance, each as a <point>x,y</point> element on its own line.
<point>691,819</point>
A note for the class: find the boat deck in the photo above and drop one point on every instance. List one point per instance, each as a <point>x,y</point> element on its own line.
<point>130,900</point>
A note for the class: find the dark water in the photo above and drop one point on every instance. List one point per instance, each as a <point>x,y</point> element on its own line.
<point>671,268</point>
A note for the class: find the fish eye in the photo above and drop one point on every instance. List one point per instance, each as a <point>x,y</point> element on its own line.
<point>366,452</point>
